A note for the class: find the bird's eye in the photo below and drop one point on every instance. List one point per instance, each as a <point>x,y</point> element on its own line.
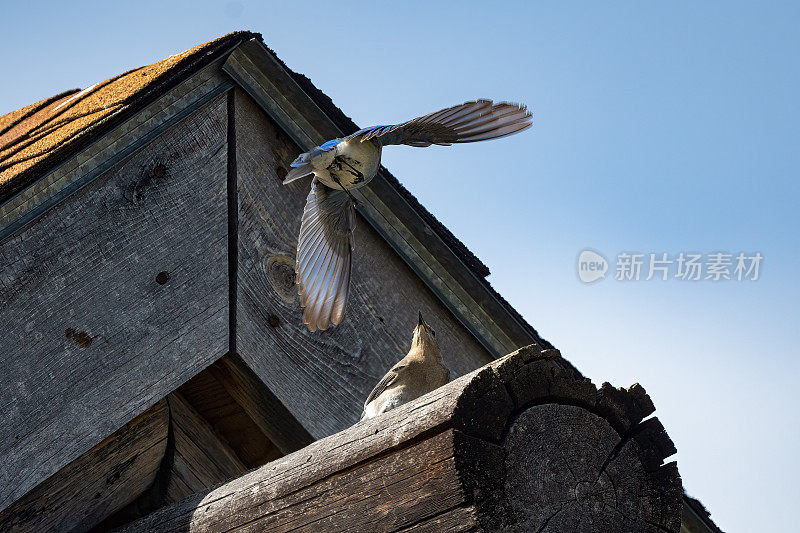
<point>433,333</point>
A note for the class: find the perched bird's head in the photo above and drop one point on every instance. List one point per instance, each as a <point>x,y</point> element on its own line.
<point>425,338</point>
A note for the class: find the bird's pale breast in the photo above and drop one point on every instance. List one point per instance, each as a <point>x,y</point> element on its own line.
<point>354,165</point>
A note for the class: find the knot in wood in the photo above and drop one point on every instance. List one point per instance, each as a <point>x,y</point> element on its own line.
<point>280,273</point>
<point>159,171</point>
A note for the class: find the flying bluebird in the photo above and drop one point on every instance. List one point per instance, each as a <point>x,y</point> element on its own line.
<point>326,232</point>
<point>418,373</point>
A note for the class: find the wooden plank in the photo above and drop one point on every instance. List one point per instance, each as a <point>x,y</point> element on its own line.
<point>98,483</point>
<point>201,457</point>
<point>393,492</point>
<point>267,83</point>
<point>262,406</point>
<point>262,76</point>
<point>323,377</point>
<point>211,400</point>
<point>112,299</point>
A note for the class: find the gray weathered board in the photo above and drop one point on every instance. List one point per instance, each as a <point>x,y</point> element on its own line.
<point>90,339</point>
<point>200,458</point>
<point>98,483</point>
<point>322,377</point>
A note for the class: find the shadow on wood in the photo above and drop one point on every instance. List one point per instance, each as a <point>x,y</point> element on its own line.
<point>90,337</point>
<point>525,443</point>
<point>98,483</point>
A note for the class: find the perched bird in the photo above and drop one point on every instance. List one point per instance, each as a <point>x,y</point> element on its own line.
<point>418,373</point>
<point>326,232</point>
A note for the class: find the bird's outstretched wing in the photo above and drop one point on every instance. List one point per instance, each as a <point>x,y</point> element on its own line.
<point>324,255</point>
<point>390,377</point>
<point>468,122</point>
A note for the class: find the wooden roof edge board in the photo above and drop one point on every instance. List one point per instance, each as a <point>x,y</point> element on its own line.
<point>486,407</point>
<point>482,311</point>
<point>695,517</point>
<point>112,147</point>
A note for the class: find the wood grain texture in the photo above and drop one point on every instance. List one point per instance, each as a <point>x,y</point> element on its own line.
<point>585,477</point>
<point>98,483</point>
<point>93,332</point>
<point>324,377</point>
<point>211,400</point>
<point>201,457</point>
<point>457,520</point>
<point>441,461</point>
<point>261,405</point>
<point>394,492</point>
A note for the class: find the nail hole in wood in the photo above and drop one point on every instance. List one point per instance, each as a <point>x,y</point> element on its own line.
<point>162,277</point>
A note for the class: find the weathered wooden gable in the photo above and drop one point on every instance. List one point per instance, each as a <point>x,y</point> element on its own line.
<point>113,298</point>
<point>168,242</point>
<point>322,377</point>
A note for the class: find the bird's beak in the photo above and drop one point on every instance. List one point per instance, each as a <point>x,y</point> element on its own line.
<point>421,322</point>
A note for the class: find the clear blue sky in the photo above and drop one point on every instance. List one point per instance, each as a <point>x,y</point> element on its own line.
<point>658,128</point>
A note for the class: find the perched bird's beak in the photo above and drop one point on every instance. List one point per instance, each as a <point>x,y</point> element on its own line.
<point>422,326</point>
